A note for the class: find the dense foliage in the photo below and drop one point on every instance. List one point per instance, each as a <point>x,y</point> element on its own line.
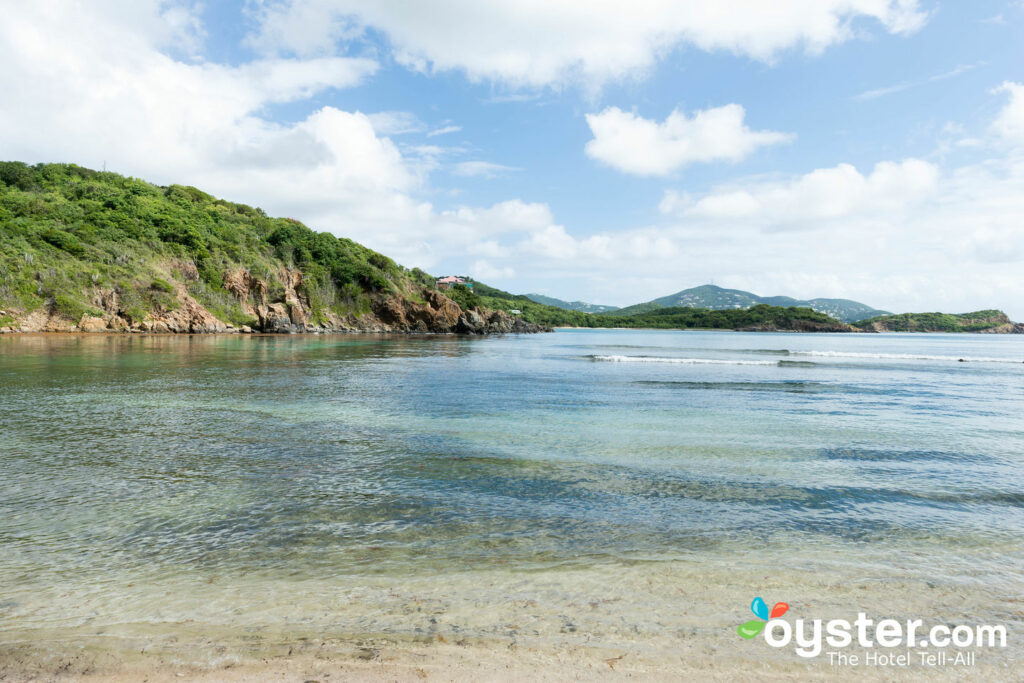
<point>68,231</point>
<point>937,322</point>
<point>680,317</point>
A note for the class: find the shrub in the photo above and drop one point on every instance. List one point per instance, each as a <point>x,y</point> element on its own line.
<point>463,296</point>
<point>63,240</point>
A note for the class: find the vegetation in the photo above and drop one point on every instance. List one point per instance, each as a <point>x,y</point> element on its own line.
<point>67,232</point>
<point>70,235</point>
<point>681,317</point>
<point>937,322</point>
<point>718,298</point>
<point>676,317</point>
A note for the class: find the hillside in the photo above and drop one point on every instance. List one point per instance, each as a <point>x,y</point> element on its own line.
<point>82,250</point>
<point>989,321</point>
<point>582,306</point>
<point>757,318</point>
<point>719,298</point>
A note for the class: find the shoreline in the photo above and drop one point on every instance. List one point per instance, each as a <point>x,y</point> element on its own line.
<point>438,658</point>
<point>418,333</point>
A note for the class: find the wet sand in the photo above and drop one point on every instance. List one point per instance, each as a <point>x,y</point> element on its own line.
<point>650,621</point>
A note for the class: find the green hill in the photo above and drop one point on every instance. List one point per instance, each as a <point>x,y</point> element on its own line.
<point>978,321</point>
<point>571,305</point>
<point>719,298</point>
<point>759,317</point>
<point>92,251</point>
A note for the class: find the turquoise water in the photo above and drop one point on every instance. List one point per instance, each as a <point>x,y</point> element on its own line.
<point>156,480</point>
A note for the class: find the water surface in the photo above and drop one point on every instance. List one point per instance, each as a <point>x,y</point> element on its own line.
<point>283,485</point>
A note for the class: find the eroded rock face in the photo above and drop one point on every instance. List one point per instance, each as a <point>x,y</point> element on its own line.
<point>90,323</point>
<point>436,313</point>
<point>250,291</point>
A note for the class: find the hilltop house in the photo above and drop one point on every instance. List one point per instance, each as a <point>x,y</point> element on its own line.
<point>452,280</point>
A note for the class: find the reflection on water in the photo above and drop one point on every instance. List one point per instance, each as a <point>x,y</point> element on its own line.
<point>160,479</point>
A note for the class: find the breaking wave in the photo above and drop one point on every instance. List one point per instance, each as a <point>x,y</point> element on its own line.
<point>679,361</point>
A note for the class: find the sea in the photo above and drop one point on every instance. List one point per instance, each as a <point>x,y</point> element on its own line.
<point>221,498</point>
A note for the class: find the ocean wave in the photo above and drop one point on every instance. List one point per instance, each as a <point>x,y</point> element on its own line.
<point>904,356</point>
<point>679,361</point>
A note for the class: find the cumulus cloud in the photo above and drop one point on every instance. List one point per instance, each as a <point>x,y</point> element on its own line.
<point>903,235</point>
<point>82,85</point>
<point>482,270</point>
<point>809,200</point>
<point>633,144</point>
<point>546,42</point>
<point>93,83</point>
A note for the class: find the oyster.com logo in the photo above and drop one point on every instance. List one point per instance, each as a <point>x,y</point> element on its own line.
<point>760,609</point>
<point>885,642</point>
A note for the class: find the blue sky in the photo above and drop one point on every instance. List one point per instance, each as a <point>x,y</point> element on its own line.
<point>869,149</point>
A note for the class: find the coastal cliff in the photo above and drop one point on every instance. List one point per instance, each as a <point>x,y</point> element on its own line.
<point>436,314</point>
<point>88,251</point>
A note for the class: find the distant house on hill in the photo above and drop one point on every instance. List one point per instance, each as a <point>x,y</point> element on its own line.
<point>452,280</point>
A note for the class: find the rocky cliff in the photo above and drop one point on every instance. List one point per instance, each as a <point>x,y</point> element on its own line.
<point>436,313</point>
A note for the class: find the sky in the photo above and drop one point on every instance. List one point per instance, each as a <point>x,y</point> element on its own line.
<point>601,151</point>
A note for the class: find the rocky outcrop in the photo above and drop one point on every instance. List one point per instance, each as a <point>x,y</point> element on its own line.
<point>441,314</point>
<point>432,313</point>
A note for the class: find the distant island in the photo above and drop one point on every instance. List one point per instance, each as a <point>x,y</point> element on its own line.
<point>90,251</point>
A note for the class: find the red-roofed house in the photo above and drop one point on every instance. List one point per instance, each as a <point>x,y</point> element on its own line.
<point>451,280</point>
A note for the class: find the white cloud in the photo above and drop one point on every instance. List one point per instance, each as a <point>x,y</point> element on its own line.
<point>633,144</point>
<point>1009,124</point>
<point>396,123</point>
<point>445,130</point>
<point>906,85</point>
<point>481,169</point>
<point>546,42</point>
<point>810,200</point>
<point>905,235</point>
<point>881,92</point>
<point>92,83</point>
<point>482,270</point>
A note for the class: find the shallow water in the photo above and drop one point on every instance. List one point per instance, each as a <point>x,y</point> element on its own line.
<point>292,486</point>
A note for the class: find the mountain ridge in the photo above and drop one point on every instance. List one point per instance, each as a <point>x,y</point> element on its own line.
<point>714,297</point>
<point>582,306</point>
